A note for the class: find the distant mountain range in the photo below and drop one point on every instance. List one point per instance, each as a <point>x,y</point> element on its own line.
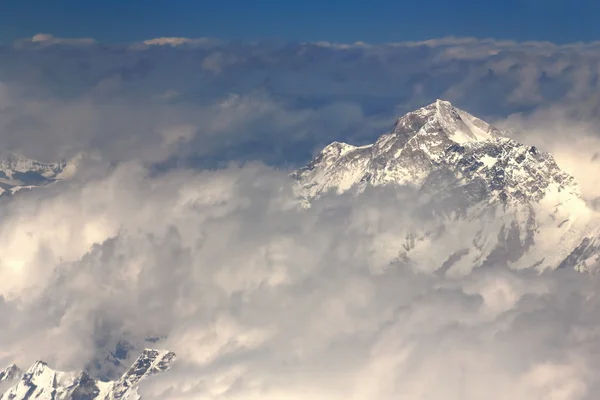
<point>18,173</point>
<point>43,383</point>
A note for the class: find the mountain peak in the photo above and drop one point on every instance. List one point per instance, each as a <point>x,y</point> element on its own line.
<point>150,362</point>
<point>10,373</point>
<point>18,173</point>
<point>439,137</point>
<point>462,168</point>
<point>41,381</point>
<point>442,118</point>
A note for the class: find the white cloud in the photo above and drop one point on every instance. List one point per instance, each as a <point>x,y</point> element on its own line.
<point>260,298</point>
<point>51,129</point>
<point>178,41</point>
<point>215,62</point>
<point>263,299</point>
<point>45,39</point>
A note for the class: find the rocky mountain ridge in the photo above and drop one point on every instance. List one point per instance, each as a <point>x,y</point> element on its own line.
<point>42,382</point>
<point>18,173</point>
<point>501,200</point>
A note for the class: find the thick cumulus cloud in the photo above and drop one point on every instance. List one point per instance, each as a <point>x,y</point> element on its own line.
<point>259,297</point>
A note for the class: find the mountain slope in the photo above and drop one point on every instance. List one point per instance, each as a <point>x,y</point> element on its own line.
<point>42,382</point>
<point>17,173</point>
<point>489,199</point>
<point>436,137</point>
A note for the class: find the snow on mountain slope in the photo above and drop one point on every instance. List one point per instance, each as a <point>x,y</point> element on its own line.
<point>490,198</point>
<point>435,137</point>
<point>18,173</point>
<point>42,382</point>
<point>9,376</point>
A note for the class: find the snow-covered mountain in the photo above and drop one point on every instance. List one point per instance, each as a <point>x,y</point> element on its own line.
<point>42,382</point>
<point>487,198</point>
<point>17,173</point>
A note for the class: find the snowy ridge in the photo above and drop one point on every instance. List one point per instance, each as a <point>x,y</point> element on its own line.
<point>489,198</point>
<point>9,376</point>
<point>10,373</point>
<point>42,382</point>
<point>433,137</point>
<point>18,173</point>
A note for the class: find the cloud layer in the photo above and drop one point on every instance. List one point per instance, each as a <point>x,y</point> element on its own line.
<point>263,299</point>
<point>175,230</point>
<point>288,99</point>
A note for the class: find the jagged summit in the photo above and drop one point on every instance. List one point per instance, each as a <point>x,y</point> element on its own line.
<point>18,172</point>
<point>438,138</point>
<point>9,373</point>
<point>441,117</point>
<point>513,201</point>
<point>42,382</point>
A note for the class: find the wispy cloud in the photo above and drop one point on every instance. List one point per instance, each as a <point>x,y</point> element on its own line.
<point>45,39</point>
<point>176,41</point>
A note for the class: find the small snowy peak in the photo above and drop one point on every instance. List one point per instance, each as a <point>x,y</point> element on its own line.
<point>10,373</point>
<point>18,172</point>
<point>39,372</point>
<point>150,362</point>
<point>8,377</point>
<point>39,382</point>
<point>42,382</point>
<point>11,164</point>
<point>337,149</point>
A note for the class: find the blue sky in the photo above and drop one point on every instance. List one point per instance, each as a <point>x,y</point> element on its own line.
<point>372,21</point>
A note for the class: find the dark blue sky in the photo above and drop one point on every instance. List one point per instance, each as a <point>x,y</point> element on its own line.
<point>372,21</point>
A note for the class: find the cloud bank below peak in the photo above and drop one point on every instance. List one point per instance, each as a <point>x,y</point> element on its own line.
<point>261,298</point>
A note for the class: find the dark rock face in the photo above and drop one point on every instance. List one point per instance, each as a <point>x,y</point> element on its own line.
<point>510,169</point>
<point>588,250</point>
<point>84,388</point>
<point>148,363</point>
